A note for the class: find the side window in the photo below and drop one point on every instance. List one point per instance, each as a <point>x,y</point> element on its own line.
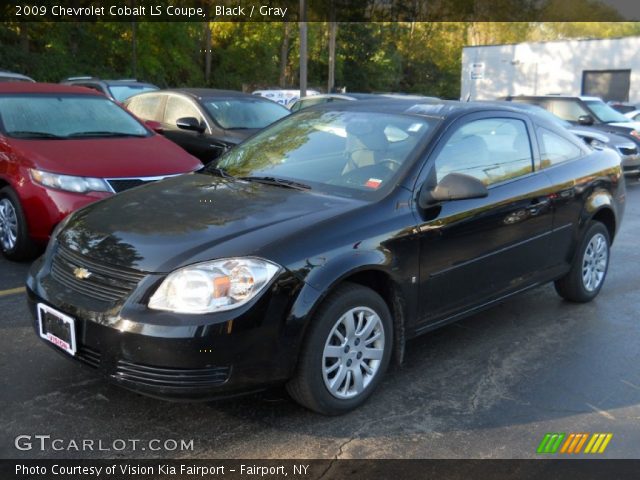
<point>145,107</point>
<point>569,110</point>
<point>179,108</point>
<point>492,150</point>
<point>554,149</point>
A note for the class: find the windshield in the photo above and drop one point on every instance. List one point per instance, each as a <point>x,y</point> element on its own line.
<point>244,113</point>
<point>66,116</point>
<point>605,113</point>
<point>122,92</point>
<point>345,153</point>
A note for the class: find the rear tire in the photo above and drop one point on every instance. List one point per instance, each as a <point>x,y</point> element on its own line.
<point>15,242</point>
<point>346,352</point>
<point>589,269</point>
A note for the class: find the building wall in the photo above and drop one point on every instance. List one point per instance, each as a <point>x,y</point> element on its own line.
<point>541,68</point>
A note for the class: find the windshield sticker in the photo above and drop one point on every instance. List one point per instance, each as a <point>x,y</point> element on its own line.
<point>373,183</point>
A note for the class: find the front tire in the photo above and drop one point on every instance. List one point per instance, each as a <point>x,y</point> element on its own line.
<point>346,352</point>
<point>589,269</point>
<point>15,242</point>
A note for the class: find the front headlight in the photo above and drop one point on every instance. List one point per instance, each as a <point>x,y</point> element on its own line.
<point>213,286</point>
<point>635,133</point>
<point>69,183</point>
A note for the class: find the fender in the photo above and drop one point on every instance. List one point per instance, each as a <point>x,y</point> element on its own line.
<point>598,201</point>
<point>324,276</point>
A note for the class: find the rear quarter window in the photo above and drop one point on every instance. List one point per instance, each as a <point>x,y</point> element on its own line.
<point>555,149</point>
<point>145,107</point>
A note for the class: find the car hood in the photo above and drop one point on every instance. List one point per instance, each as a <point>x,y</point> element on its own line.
<point>606,137</point>
<point>627,125</point>
<point>191,218</point>
<point>108,157</point>
<point>238,135</point>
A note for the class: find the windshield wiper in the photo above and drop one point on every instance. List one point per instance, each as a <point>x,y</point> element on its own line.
<point>30,134</point>
<point>280,182</point>
<point>221,172</point>
<point>105,134</point>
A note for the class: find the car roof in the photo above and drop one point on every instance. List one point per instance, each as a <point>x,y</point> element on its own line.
<point>8,74</point>
<point>202,93</point>
<point>365,96</point>
<point>424,107</point>
<point>127,82</point>
<point>28,87</point>
<point>117,81</point>
<point>560,97</point>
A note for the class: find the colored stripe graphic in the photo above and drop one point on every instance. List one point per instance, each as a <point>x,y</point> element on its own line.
<point>596,443</point>
<point>574,443</point>
<point>550,442</point>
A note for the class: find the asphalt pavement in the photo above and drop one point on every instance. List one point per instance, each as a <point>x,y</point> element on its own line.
<point>490,386</point>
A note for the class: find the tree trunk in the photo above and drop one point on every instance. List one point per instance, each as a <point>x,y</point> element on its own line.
<point>303,48</point>
<point>207,53</point>
<point>284,56</point>
<point>331,83</point>
<point>24,38</point>
<point>134,49</point>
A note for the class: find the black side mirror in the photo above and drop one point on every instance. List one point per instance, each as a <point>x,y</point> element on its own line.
<point>455,186</point>
<point>585,120</point>
<point>190,123</point>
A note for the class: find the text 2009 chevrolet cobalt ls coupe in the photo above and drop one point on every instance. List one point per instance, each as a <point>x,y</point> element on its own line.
<point>319,246</point>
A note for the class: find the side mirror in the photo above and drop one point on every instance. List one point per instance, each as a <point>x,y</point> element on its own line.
<point>585,120</point>
<point>190,123</point>
<point>155,126</point>
<point>455,186</point>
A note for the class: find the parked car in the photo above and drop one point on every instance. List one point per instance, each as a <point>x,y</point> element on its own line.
<point>586,111</point>
<point>283,96</point>
<point>315,249</point>
<point>623,107</point>
<point>627,150</point>
<point>64,147</point>
<point>633,115</point>
<point>313,100</point>
<point>7,76</point>
<point>205,122</point>
<point>117,90</point>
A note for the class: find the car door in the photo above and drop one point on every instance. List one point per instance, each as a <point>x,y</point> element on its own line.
<point>196,143</point>
<point>476,250</point>
<point>563,160</point>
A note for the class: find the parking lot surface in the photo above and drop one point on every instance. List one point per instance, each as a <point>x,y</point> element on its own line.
<point>489,386</point>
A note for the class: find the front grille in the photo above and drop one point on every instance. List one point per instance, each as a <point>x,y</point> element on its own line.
<point>106,282</point>
<point>120,185</point>
<point>628,150</point>
<point>89,356</point>
<point>171,377</point>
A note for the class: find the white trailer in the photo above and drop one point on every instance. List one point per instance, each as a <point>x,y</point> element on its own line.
<point>605,68</point>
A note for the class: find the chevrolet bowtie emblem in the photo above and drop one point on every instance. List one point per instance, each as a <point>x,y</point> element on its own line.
<point>81,273</point>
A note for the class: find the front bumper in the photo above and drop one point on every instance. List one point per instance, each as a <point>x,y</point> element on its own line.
<point>631,164</point>
<point>178,357</point>
<point>45,207</point>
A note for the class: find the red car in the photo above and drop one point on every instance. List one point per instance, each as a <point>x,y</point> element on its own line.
<point>63,147</point>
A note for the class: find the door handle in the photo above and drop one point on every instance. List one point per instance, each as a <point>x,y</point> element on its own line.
<point>537,204</point>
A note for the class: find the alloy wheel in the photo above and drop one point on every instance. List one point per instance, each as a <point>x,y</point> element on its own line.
<point>353,352</point>
<point>8,225</point>
<point>594,262</point>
